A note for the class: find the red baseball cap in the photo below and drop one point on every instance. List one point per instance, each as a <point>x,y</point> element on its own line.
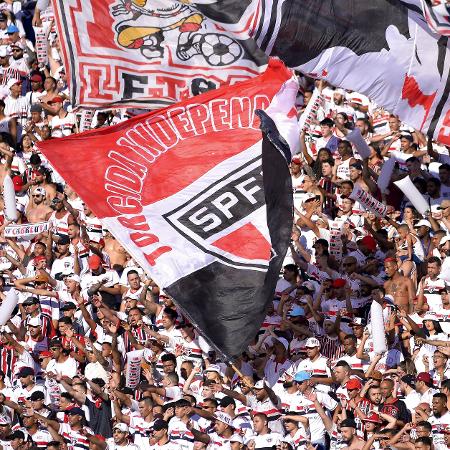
<point>424,376</point>
<point>46,354</point>
<point>374,418</point>
<point>338,283</point>
<point>56,99</point>
<point>94,262</point>
<point>369,242</point>
<point>18,183</point>
<point>353,383</point>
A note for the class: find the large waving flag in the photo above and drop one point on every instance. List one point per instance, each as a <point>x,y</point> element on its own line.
<point>384,49</point>
<point>147,53</point>
<point>198,198</point>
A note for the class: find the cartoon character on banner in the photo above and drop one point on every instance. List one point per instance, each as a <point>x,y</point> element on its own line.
<point>145,25</point>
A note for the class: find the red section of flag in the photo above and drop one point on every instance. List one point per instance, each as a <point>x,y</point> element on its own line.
<point>413,94</point>
<point>118,170</point>
<point>245,242</point>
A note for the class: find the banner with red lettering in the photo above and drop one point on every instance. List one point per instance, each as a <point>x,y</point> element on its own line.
<point>384,49</point>
<point>147,53</point>
<point>198,198</point>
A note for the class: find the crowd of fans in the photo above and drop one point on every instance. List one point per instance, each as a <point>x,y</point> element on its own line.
<point>96,356</point>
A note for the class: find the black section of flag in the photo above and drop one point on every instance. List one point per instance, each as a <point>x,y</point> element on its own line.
<point>228,304</point>
<point>308,27</point>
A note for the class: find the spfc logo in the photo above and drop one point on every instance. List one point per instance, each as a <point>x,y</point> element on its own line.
<point>228,218</point>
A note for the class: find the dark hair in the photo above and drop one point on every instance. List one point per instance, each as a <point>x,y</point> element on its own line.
<point>133,272</point>
<point>327,122</point>
<point>344,364</point>
<point>425,424</point>
<point>291,268</point>
<point>171,313</point>
<point>169,357</point>
<point>440,395</point>
<point>435,181</point>
<point>446,384</point>
<point>352,337</point>
<point>66,320</point>
<point>349,182</point>
<point>99,381</point>
<point>434,259</point>
<point>262,416</point>
<point>424,440</point>
<point>444,166</point>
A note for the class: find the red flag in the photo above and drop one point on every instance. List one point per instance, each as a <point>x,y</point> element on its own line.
<point>188,191</point>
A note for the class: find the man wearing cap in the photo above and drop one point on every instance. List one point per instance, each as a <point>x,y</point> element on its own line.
<point>32,309</point>
<point>61,362</point>
<point>36,92</point>
<point>408,388</point>
<point>37,210</point>
<point>278,362</point>
<point>26,377</point>
<point>15,104</point>
<point>60,218</point>
<point>121,438</point>
<point>35,340</point>
<point>63,122</point>
<point>74,431</point>
<point>159,439</point>
<point>48,299</point>
<point>99,279</point>
<point>303,405</point>
<point>223,431</point>
<point>263,400</point>
<point>317,365</point>
<point>424,387</point>
<point>38,434</point>
<point>35,123</point>
<point>19,60</point>
<point>63,260</point>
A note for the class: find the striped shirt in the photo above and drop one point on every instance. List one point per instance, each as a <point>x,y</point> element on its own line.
<point>331,348</point>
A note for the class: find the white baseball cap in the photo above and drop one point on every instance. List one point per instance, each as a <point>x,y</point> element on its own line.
<point>35,322</point>
<point>122,427</point>
<point>224,418</point>
<point>312,342</point>
<point>423,223</point>
<point>73,277</point>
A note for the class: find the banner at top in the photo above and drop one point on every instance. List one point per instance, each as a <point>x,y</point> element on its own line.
<point>147,53</point>
<point>384,49</point>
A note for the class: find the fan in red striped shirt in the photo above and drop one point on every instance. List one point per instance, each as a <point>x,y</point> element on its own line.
<point>330,344</point>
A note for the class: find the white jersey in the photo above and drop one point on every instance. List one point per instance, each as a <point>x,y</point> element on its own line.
<point>62,126</point>
<point>318,369</point>
<point>60,225</point>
